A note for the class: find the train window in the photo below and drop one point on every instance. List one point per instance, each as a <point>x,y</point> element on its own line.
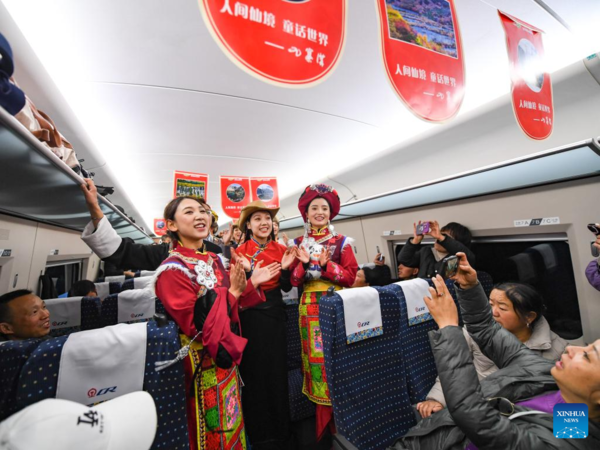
<point>543,261</point>
<point>62,275</point>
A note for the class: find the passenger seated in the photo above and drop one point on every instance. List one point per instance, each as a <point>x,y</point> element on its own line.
<point>23,315</point>
<point>450,240</point>
<point>373,276</point>
<point>518,308</point>
<point>83,288</point>
<point>480,414</point>
<point>592,272</point>
<point>407,268</point>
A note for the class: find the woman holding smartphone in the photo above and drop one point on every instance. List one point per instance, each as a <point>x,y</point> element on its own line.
<point>324,259</point>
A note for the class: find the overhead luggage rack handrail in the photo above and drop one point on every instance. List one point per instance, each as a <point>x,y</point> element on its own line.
<point>36,184</point>
<point>574,161</point>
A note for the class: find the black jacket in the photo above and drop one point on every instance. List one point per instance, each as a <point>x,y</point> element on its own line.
<point>428,266</point>
<point>469,417</point>
<point>146,257</point>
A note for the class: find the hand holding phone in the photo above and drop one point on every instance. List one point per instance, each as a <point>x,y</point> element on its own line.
<point>594,228</point>
<point>423,228</point>
<point>449,267</point>
<point>380,258</point>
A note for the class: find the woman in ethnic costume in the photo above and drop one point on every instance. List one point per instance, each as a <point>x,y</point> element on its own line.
<point>204,301</point>
<point>264,367</point>
<point>325,259</point>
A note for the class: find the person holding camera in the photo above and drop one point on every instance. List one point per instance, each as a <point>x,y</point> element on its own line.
<point>450,240</point>
<point>513,407</point>
<point>592,271</point>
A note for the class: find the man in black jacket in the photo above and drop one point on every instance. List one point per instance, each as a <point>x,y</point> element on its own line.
<point>483,415</point>
<point>104,241</point>
<point>450,240</point>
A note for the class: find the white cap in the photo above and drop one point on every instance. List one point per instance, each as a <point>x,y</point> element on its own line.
<point>127,422</point>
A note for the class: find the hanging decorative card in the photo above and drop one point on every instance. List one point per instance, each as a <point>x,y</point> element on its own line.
<point>291,43</point>
<point>531,85</point>
<point>190,184</point>
<point>160,227</point>
<point>265,190</point>
<point>235,194</point>
<point>422,55</point>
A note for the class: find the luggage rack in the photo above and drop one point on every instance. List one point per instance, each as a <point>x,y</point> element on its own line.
<point>35,184</point>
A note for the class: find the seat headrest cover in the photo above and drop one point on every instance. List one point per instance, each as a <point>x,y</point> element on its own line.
<point>53,424</point>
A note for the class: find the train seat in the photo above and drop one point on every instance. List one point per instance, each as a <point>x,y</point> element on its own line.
<point>72,314</point>
<point>40,373</point>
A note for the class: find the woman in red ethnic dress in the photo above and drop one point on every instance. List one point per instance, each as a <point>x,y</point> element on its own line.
<point>264,367</point>
<point>204,301</point>
<point>325,259</point>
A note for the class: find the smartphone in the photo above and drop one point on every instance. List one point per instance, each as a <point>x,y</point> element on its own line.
<point>595,251</point>
<point>423,228</point>
<point>594,228</point>
<point>379,253</point>
<point>449,267</point>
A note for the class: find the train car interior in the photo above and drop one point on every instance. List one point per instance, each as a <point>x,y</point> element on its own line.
<point>130,94</point>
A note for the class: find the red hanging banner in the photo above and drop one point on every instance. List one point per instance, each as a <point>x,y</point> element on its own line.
<point>265,189</point>
<point>235,194</point>
<point>422,54</point>
<point>190,184</point>
<point>160,227</point>
<point>289,43</point>
<point>531,85</point>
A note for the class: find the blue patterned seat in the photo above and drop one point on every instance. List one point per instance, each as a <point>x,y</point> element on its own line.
<point>39,377</point>
<point>127,285</point>
<point>90,318</point>
<point>367,379</point>
<point>114,287</point>
<point>110,310</point>
<point>13,356</point>
<point>486,282</point>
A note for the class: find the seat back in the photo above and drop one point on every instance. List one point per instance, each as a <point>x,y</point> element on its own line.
<point>115,279</point>
<point>13,356</point>
<point>72,314</point>
<point>486,282</point>
<point>135,305</point>
<point>366,379</point>
<point>110,310</point>
<point>127,285</point>
<point>39,377</point>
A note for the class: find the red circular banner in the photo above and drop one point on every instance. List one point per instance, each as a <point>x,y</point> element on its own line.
<point>280,41</point>
<point>422,54</point>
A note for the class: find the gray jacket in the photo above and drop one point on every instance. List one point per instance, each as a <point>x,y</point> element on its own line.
<point>469,417</point>
<point>543,341</point>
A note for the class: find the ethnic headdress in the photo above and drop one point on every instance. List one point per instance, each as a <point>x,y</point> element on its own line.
<point>323,191</point>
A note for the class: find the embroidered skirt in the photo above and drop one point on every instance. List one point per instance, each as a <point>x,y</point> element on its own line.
<point>214,408</point>
<point>313,364</point>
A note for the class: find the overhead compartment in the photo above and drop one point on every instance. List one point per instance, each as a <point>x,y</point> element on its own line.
<point>35,184</point>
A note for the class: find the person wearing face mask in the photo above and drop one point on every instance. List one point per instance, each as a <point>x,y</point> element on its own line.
<point>518,308</point>
<point>324,259</point>
<point>513,408</point>
<point>450,240</point>
<point>264,367</point>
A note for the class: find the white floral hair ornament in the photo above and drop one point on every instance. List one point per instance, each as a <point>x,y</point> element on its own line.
<point>205,275</point>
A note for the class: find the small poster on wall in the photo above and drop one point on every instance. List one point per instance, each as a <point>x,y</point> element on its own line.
<point>190,184</point>
<point>531,85</point>
<point>235,194</point>
<point>422,55</point>
<point>265,189</point>
<point>291,43</point>
<point>160,227</point>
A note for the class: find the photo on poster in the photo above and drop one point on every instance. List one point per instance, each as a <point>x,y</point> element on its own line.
<point>265,192</point>
<point>190,188</point>
<point>425,23</point>
<point>236,193</point>
<point>530,65</point>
